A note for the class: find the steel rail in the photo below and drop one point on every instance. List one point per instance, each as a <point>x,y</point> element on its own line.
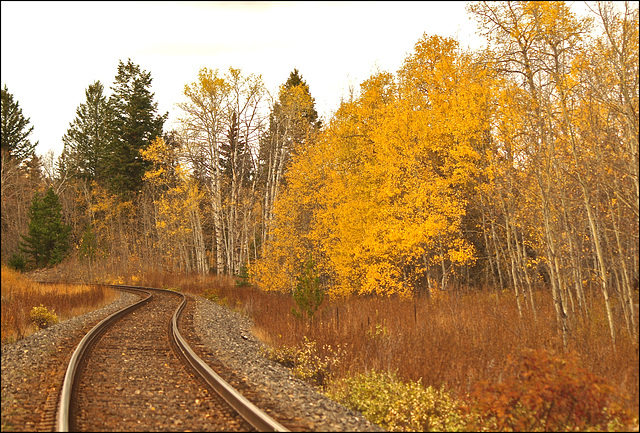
<point>64,408</point>
<point>251,413</point>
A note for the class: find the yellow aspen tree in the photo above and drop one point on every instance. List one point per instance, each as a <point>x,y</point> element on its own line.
<point>566,141</point>
<point>600,111</point>
<point>447,92</point>
<point>513,35</point>
<point>379,197</point>
<point>291,240</point>
<point>293,120</point>
<point>113,222</point>
<point>177,216</point>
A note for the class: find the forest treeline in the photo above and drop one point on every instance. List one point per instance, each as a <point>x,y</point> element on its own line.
<point>512,167</point>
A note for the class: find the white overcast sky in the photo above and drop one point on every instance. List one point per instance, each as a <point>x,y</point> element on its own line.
<point>52,51</point>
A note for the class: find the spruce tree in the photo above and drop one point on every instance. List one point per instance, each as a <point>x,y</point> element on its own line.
<point>47,241</point>
<point>133,125</point>
<point>235,155</point>
<point>86,139</point>
<point>15,129</point>
<point>310,113</point>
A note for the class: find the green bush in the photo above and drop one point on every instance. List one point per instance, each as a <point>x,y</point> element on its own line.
<point>211,295</point>
<point>545,392</point>
<point>308,294</point>
<point>243,277</point>
<point>398,406</point>
<point>17,262</point>
<point>43,318</point>
<point>306,363</point>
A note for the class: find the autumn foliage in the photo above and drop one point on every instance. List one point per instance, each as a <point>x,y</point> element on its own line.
<point>513,167</point>
<point>380,197</point>
<point>542,391</point>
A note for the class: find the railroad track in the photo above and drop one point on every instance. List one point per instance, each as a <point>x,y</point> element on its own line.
<point>135,371</point>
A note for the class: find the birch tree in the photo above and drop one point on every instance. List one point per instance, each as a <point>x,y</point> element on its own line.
<point>567,121</point>
<point>221,128</point>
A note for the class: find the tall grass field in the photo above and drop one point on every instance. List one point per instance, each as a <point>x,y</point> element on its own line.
<point>63,301</point>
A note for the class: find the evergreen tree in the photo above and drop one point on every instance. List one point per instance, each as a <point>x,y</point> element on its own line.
<point>133,124</point>
<point>292,118</point>
<point>235,155</point>
<point>309,112</point>
<point>47,241</point>
<point>86,138</point>
<point>308,294</point>
<point>15,129</point>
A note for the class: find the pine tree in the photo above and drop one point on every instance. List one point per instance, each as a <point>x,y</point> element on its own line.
<point>86,138</point>
<point>235,155</point>
<point>47,241</point>
<point>309,112</point>
<point>15,129</point>
<point>133,125</point>
<point>308,294</point>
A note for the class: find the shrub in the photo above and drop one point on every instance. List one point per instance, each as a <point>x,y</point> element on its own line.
<point>17,262</point>
<point>546,392</point>
<point>307,363</point>
<point>211,295</point>
<point>43,318</point>
<point>308,294</point>
<point>285,355</point>
<point>398,406</point>
<point>243,277</point>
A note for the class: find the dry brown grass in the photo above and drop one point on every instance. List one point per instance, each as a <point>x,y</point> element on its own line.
<point>20,295</point>
<point>455,340</point>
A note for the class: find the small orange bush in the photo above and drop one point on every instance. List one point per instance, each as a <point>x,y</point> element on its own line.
<point>547,392</point>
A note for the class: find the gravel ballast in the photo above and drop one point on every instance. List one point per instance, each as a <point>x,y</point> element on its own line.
<point>228,335</point>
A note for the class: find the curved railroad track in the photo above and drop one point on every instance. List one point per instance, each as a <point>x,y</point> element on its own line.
<point>135,371</point>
